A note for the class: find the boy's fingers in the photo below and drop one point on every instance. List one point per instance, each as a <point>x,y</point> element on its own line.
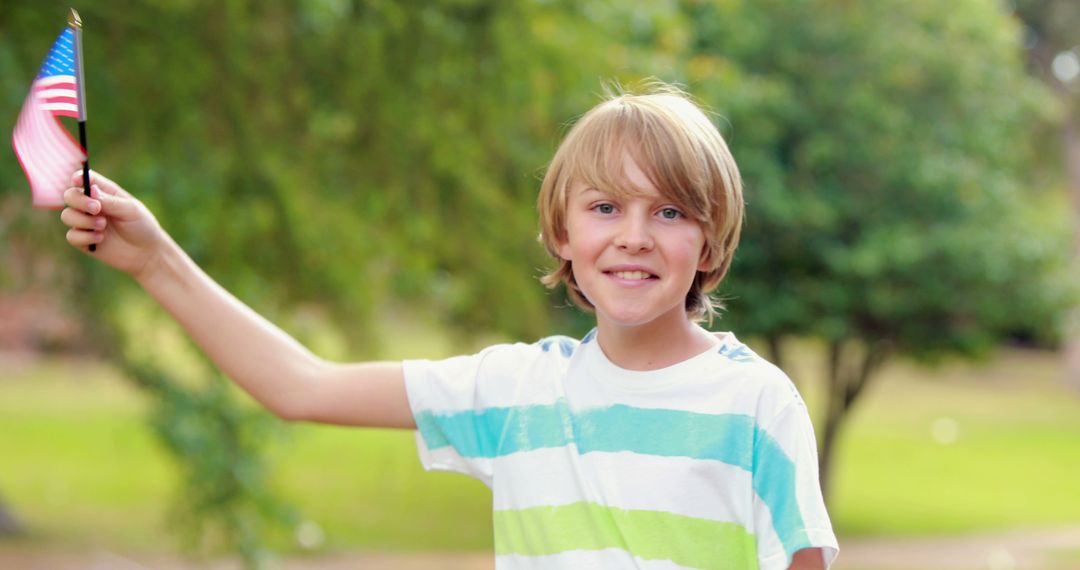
<point>79,220</point>
<point>97,179</point>
<point>116,205</point>
<point>77,178</point>
<point>83,238</point>
<point>101,202</point>
<point>75,198</point>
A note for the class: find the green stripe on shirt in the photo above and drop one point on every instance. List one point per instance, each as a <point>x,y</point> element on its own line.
<point>734,439</point>
<point>649,535</point>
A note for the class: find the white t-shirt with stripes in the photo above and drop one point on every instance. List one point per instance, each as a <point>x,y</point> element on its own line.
<point>709,463</point>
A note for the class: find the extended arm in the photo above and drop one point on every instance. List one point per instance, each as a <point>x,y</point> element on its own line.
<point>807,559</point>
<point>262,359</point>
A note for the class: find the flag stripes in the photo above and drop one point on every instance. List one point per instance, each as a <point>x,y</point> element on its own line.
<point>58,94</point>
<point>49,155</point>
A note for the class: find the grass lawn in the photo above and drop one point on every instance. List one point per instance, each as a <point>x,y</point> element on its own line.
<point>954,450</point>
<point>82,469</point>
<point>962,448</point>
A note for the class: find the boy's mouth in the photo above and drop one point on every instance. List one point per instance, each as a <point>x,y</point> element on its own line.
<point>632,275</point>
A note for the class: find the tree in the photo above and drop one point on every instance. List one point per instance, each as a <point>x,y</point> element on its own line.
<point>885,147</point>
<point>341,156</point>
<point>9,524</point>
<point>336,156</point>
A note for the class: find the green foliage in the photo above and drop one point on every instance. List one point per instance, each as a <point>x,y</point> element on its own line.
<point>333,154</point>
<point>218,444</point>
<point>353,156</point>
<point>223,500</point>
<point>888,152</point>
<point>886,148</point>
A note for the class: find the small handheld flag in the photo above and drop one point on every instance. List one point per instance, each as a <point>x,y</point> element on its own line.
<point>47,152</point>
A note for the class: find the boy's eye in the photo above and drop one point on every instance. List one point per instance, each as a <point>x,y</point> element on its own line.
<point>670,213</point>
<point>604,208</point>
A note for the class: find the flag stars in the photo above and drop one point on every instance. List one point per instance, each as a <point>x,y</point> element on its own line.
<point>61,59</point>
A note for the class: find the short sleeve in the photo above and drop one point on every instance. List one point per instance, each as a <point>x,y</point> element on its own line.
<point>789,510</point>
<point>454,430</point>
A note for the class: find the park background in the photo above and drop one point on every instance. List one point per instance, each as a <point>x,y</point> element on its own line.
<point>364,173</point>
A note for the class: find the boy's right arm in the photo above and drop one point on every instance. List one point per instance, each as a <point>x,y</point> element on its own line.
<point>266,362</point>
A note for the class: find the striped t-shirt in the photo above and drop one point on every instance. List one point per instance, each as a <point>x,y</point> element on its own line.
<point>709,463</point>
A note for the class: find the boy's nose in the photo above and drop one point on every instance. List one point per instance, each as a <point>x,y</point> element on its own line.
<point>634,236</point>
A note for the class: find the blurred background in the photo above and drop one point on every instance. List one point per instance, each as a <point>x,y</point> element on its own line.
<point>364,173</point>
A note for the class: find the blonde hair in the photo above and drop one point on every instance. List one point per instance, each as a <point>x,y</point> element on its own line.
<point>684,156</point>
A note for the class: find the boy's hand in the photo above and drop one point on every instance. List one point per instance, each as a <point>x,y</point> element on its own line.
<point>126,233</point>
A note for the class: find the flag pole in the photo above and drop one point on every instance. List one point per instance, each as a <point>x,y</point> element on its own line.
<point>75,23</point>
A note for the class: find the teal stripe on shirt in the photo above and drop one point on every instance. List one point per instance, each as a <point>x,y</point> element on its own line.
<point>729,438</point>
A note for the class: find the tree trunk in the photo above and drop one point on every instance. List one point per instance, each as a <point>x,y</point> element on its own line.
<point>833,415</point>
<point>825,454</point>
<point>1071,333</point>
<point>9,525</point>
<point>776,352</point>
<point>848,373</point>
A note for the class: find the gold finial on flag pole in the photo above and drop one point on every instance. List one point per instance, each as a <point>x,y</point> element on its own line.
<point>73,19</point>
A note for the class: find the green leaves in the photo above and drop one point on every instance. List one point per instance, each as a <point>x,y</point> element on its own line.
<point>889,162</point>
<point>351,156</point>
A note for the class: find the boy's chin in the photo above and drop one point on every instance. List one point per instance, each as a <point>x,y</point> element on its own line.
<point>631,318</point>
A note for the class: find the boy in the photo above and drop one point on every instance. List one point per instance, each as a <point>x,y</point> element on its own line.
<point>651,443</point>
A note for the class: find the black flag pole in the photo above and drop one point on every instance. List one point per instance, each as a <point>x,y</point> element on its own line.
<point>75,23</point>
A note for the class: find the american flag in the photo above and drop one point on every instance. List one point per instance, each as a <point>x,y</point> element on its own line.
<point>46,150</point>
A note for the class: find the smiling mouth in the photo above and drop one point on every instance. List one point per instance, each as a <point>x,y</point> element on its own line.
<point>632,275</point>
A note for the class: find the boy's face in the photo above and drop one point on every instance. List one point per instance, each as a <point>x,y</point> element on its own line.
<point>633,257</point>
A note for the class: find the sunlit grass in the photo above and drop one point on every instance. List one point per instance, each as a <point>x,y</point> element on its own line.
<point>365,488</point>
<point>87,471</point>
<point>78,464</point>
<point>960,448</point>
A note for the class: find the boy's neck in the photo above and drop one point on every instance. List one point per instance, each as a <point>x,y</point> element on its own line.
<point>654,345</point>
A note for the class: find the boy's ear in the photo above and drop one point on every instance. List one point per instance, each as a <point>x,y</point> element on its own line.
<point>704,263</point>
<point>564,250</point>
